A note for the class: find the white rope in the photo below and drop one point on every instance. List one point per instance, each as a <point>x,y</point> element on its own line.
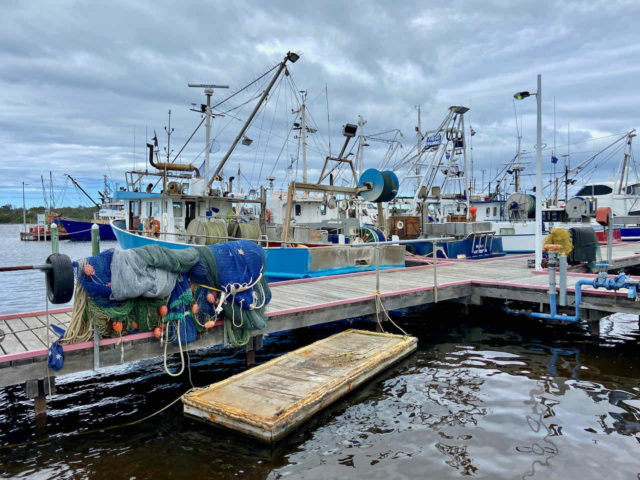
<point>380,308</point>
<point>166,342</point>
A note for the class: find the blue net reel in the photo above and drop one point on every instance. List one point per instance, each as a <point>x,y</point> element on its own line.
<point>384,185</point>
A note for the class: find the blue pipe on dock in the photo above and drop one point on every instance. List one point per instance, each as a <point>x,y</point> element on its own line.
<point>602,280</point>
<point>553,315</point>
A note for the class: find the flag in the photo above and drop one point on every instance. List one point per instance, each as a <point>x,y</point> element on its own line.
<point>473,132</point>
<point>554,159</point>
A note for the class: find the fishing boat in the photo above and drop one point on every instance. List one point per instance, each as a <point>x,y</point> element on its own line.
<point>191,209</point>
<point>109,209</point>
<point>423,209</point>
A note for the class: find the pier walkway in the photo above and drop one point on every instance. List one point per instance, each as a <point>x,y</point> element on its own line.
<point>300,303</point>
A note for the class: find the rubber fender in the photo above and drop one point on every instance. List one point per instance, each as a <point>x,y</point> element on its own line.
<point>59,278</point>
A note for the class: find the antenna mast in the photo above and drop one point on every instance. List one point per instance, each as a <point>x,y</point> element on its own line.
<point>206,109</point>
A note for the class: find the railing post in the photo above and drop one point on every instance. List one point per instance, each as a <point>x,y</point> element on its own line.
<point>55,246</point>
<point>435,272</point>
<point>378,269</point>
<point>95,250</point>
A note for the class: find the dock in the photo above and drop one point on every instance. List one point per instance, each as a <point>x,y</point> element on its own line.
<point>307,302</point>
<point>269,401</point>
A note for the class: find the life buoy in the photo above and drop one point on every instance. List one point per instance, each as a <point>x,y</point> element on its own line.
<point>154,227</point>
<point>399,224</point>
<point>268,215</point>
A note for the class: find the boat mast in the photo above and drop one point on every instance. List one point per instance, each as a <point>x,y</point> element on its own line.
<point>292,57</point>
<point>303,132</point>
<point>24,210</point>
<point>206,109</point>
<point>625,167</point>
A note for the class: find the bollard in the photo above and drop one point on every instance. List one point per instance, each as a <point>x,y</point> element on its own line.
<point>95,239</point>
<point>55,246</point>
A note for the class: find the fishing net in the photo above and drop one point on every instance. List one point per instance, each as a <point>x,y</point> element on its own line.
<point>122,292</point>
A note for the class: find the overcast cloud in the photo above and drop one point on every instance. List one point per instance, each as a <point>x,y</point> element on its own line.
<point>78,79</point>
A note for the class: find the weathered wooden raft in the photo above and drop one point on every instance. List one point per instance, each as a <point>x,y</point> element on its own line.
<point>268,401</point>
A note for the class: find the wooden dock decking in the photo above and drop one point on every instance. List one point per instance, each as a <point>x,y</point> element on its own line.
<point>268,401</point>
<point>301,303</point>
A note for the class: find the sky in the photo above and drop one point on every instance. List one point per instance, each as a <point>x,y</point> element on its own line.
<point>84,84</point>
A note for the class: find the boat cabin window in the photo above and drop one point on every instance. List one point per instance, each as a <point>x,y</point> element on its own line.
<point>323,209</point>
<point>177,209</point>
<point>298,209</point>
<point>149,209</point>
<point>495,211</point>
<point>633,189</point>
<point>594,190</point>
<point>488,211</point>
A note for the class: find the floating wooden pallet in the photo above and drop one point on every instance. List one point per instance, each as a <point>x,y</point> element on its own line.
<point>268,401</point>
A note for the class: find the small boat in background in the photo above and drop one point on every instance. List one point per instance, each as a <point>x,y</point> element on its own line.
<point>110,209</point>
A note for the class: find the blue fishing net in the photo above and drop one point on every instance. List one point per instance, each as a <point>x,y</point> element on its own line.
<point>240,264</point>
<point>98,285</point>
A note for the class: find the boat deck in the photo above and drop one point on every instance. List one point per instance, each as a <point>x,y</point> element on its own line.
<point>301,303</point>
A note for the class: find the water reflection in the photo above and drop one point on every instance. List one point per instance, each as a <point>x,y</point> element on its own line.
<point>491,399</point>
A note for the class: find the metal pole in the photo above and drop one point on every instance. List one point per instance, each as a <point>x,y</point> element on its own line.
<point>435,273</point>
<point>538,237</point>
<point>303,131</point>
<point>95,250</point>
<point>378,269</point>
<point>54,238</point>
<point>24,211</point>
<point>208,92</point>
<point>610,240</point>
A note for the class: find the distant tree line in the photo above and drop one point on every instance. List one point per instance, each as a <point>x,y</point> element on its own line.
<point>10,214</point>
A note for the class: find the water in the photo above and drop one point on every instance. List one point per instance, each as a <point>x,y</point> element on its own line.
<point>485,396</point>
<point>25,290</point>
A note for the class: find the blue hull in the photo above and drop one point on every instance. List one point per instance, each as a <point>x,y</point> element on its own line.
<point>461,248</point>
<point>282,263</point>
<point>79,230</point>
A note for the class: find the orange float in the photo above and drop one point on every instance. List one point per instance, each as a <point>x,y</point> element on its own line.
<point>117,327</point>
<point>195,308</point>
<point>211,297</point>
<point>209,324</point>
<point>89,270</point>
<point>164,311</point>
<point>157,332</point>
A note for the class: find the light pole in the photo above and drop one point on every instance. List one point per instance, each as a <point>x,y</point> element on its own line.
<point>538,238</point>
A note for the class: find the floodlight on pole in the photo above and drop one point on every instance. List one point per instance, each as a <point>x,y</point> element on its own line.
<point>538,236</point>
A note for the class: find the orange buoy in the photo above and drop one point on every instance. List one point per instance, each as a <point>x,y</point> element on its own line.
<point>209,324</point>
<point>157,332</point>
<point>473,210</point>
<point>134,325</point>
<point>117,327</point>
<point>211,297</point>
<point>195,308</point>
<point>89,270</point>
<point>163,311</point>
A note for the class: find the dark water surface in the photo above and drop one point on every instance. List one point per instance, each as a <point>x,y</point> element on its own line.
<point>485,396</point>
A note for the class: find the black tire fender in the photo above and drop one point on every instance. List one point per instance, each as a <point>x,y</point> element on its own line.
<point>59,278</point>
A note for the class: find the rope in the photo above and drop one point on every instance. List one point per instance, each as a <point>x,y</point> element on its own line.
<point>79,329</point>
<point>380,308</point>
<point>166,342</point>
